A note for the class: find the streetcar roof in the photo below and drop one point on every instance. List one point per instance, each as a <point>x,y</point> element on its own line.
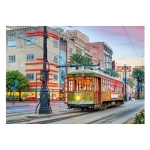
<point>90,72</point>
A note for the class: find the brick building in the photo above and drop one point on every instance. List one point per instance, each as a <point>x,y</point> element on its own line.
<point>100,51</point>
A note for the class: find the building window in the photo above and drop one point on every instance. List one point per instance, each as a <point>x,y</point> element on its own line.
<point>30,56</point>
<point>12,43</point>
<point>30,76</point>
<point>55,77</point>
<point>55,43</point>
<point>30,41</point>
<point>11,58</point>
<point>56,59</point>
<point>70,50</point>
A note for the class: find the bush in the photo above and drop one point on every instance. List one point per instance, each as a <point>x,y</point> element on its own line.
<point>141,97</point>
<point>139,117</point>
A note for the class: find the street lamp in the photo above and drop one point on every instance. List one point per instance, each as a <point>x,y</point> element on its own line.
<point>138,86</point>
<point>36,88</point>
<point>125,69</point>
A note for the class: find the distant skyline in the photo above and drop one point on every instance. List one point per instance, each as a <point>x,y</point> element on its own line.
<point>127,42</point>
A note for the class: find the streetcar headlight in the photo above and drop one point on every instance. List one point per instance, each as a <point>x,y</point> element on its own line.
<point>78,97</point>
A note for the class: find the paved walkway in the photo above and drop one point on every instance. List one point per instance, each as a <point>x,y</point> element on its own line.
<point>18,103</point>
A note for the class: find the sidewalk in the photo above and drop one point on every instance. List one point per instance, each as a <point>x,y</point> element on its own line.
<point>28,103</point>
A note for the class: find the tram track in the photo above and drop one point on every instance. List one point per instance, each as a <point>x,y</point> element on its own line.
<point>109,119</point>
<point>35,119</point>
<point>60,115</point>
<point>61,118</point>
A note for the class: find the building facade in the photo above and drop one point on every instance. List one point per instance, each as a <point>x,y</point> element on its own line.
<point>121,71</point>
<point>101,52</point>
<point>77,35</point>
<point>18,27</point>
<point>24,52</point>
<point>139,67</point>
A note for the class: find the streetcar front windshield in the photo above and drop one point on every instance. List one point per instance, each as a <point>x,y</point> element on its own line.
<point>80,83</point>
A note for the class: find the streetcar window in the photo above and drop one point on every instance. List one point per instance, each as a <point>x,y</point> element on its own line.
<point>70,84</point>
<point>83,83</point>
<point>103,81</point>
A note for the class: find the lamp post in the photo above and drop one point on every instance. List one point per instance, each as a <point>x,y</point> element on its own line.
<point>141,87</point>
<point>44,93</point>
<point>125,89</point>
<point>36,89</point>
<point>138,86</point>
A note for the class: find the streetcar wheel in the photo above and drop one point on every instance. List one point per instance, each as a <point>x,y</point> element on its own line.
<point>118,104</point>
<point>82,109</point>
<point>104,105</point>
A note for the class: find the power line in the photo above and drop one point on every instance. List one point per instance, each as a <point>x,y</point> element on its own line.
<point>41,47</point>
<point>85,47</point>
<point>127,43</point>
<point>131,43</point>
<point>128,57</point>
<point>71,40</point>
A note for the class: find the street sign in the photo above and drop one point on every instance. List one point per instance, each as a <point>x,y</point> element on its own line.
<point>13,88</point>
<point>123,80</point>
<point>138,86</point>
<point>15,83</point>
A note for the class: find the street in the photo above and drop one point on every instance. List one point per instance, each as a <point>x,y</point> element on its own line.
<point>24,113</point>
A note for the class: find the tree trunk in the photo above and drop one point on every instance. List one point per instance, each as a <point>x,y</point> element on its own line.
<point>19,94</point>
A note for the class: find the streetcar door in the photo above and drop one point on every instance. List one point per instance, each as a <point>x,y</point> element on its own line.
<point>96,90</point>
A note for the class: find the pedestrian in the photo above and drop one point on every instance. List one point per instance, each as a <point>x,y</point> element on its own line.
<point>22,98</point>
<point>129,96</point>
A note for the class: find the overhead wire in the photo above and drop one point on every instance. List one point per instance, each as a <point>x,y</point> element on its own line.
<point>85,47</point>
<point>127,43</point>
<point>121,44</point>
<point>131,43</point>
<point>41,47</point>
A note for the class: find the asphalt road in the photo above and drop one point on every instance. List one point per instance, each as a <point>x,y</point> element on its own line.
<point>24,113</point>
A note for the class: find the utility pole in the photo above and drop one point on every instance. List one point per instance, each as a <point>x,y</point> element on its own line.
<point>125,82</point>
<point>44,92</point>
<point>36,89</point>
<point>138,86</point>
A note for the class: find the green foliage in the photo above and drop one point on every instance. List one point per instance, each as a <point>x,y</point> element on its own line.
<point>139,117</point>
<point>16,75</point>
<point>140,72</point>
<point>130,83</point>
<point>76,59</point>
<point>141,97</point>
<point>112,72</point>
<point>87,61</point>
<point>80,59</point>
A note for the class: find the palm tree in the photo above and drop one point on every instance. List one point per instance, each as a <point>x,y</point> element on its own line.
<point>130,82</point>
<point>76,59</point>
<point>112,72</point>
<point>138,72</point>
<point>86,61</point>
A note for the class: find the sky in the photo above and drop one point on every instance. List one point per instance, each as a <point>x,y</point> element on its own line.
<point>127,42</point>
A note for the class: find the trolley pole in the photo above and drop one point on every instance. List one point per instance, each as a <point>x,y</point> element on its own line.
<point>44,93</point>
